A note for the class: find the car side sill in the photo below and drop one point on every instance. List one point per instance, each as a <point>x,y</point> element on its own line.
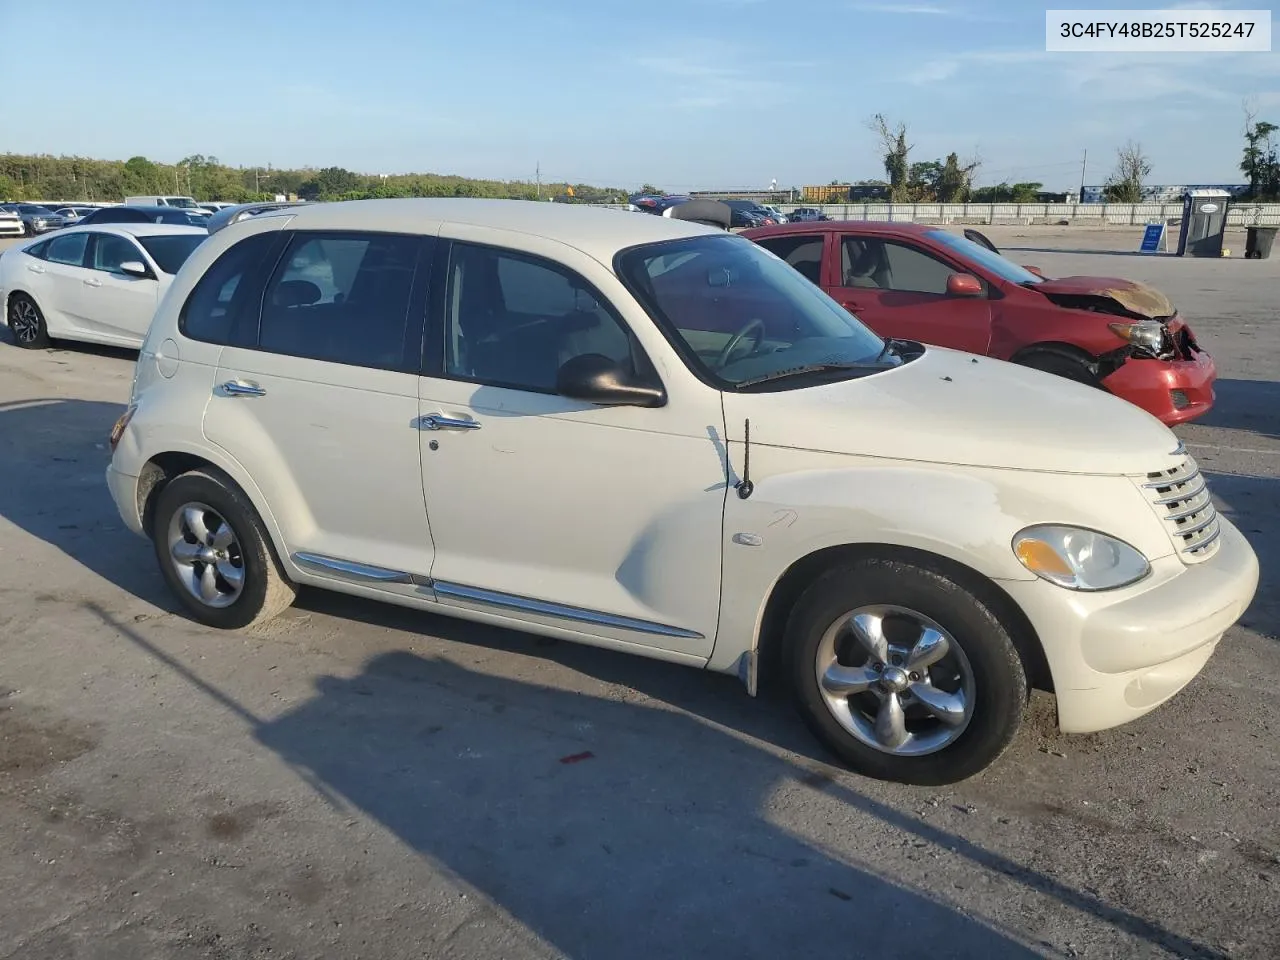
<point>366,573</point>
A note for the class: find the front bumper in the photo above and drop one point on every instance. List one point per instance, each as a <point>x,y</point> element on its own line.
<point>124,491</point>
<point>1174,391</point>
<point>1117,655</point>
<point>11,228</point>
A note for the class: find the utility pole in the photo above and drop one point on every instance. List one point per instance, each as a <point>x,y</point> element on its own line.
<point>1084,161</point>
<point>538,174</point>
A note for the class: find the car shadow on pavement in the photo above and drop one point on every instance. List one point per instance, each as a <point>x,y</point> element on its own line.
<point>619,829</point>
<point>1250,406</point>
<point>54,487</point>
<point>1252,503</point>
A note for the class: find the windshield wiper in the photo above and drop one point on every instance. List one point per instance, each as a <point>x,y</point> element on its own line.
<point>877,364</point>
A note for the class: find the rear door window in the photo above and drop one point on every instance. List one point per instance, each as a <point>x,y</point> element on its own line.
<point>344,298</point>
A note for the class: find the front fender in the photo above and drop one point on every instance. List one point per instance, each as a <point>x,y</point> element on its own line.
<point>965,515</point>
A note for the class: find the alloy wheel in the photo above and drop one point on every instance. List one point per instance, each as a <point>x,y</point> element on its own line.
<point>206,555</point>
<point>24,320</point>
<point>895,680</point>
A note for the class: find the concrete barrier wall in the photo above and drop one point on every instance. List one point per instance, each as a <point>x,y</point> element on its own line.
<point>1126,214</point>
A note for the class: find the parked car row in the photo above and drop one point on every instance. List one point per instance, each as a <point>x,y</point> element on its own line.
<point>746,213</point>
<point>720,465</point>
<point>30,219</point>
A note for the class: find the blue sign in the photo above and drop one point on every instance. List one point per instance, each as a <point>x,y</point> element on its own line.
<point>1153,238</point>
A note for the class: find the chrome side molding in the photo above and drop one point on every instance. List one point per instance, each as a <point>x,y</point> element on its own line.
<point>510,601</point>
<point>360,572</point>
<point>366,573</point>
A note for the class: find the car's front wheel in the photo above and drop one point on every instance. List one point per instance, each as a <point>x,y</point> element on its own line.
<point>903,673</point>
<point>215,554</point>
<point>27,322</point>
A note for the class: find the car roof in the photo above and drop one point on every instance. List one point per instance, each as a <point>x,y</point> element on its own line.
<point>138,229</point>
<point>597,231</point>
<point>879,227</point>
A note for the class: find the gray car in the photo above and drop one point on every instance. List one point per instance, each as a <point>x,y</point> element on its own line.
<point>35,218</point>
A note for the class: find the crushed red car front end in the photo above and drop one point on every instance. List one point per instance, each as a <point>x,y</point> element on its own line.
<point>1175,388</point>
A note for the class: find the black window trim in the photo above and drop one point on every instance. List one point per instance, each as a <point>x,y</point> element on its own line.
<point>438,322</point>
<point>415,311</point>
<point>252,278</point>
<point>84,255</point>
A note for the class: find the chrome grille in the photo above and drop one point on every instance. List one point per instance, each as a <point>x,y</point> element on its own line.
<point>1181,498</point>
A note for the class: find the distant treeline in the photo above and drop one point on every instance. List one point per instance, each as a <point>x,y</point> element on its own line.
<point>205,178</point>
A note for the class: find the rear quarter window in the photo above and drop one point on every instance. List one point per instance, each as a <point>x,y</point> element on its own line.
<point>222,307</point>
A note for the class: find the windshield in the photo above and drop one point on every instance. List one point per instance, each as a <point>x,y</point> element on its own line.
<point>989,260</point>
<point>737,313</point>
<point>170,253</point>
<point>185,202</point>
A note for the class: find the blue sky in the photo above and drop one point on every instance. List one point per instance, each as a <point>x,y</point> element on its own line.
<point>680,93</point>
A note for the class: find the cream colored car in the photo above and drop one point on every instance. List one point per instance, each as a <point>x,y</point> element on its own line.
<point>656,437</point>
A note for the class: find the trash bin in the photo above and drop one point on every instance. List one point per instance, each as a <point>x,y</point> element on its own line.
<point>1257,242</point>
<point>1204,221</point>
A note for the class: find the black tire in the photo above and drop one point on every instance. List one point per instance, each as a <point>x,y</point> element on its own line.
<point>26,321</point>
<point>1063,365</point>
<point>999,680</point>
<point>265,591</point>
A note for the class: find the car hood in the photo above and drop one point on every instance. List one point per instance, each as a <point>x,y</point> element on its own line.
<point>957,408</point>
<point>1132,296</point>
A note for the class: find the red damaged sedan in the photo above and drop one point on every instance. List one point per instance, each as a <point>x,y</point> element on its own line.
<point>918,282</point>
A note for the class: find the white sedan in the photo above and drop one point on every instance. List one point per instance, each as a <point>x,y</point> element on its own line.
<point>99,284</point>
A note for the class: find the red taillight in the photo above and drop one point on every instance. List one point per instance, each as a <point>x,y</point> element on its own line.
<point>118,430</point>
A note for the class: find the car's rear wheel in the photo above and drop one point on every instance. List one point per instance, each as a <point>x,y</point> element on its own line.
<point>903,673</point>
<point>214,552</point>
<point>27,322</point>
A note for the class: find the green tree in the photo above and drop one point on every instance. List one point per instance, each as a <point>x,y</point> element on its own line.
<point>954,180</point>
<point>1260,163</point>
<point>1132,169</point>
<point>330,183</point>
<point>895,153</point>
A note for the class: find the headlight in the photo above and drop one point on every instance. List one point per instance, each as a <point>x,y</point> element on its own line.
<point>1079,559</point>
<point>1148,334</point>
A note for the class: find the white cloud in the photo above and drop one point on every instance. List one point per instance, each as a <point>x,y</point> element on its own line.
<point>707,81</point>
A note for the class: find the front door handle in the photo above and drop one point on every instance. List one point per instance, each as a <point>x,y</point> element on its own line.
<point>92,282</point>
<point>240,388</point>
<point>435,421</point>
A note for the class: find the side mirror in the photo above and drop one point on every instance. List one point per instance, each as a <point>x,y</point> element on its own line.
<point>135,268</point>
<point>964,285</point>
<point>1030,269</point>
<point>595,378</point>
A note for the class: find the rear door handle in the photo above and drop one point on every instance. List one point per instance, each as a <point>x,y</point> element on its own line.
<point>435,421</point>
<point>35,268</point>
<point>240,388</point>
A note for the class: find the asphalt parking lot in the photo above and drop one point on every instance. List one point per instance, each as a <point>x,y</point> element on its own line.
<point>356,780</point>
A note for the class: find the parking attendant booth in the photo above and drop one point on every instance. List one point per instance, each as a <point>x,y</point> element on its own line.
<point>1204,221</point>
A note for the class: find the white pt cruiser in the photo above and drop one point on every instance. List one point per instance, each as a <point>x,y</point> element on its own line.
<point>655,436</point>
